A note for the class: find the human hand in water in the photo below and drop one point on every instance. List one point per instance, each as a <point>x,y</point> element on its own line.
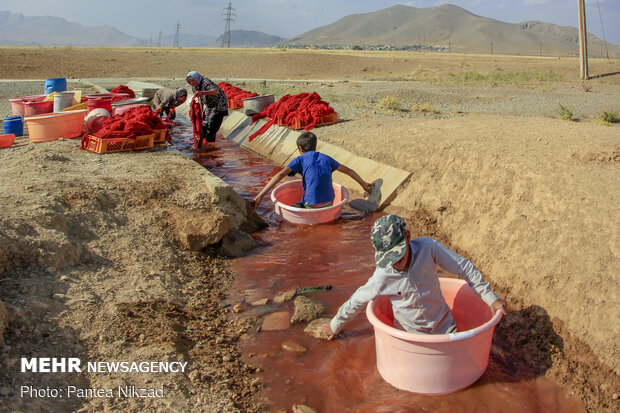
<point>326,331</point>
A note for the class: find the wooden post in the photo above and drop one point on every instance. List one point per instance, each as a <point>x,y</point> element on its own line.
<point>583,41</point>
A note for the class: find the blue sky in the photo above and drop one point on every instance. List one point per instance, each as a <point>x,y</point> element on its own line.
<point>287,18</point>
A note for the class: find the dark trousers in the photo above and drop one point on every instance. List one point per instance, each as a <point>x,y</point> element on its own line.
<point>211,125</point>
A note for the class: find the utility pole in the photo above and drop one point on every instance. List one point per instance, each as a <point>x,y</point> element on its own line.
<point>177,28</point>
<point>159,40</point>
<point>583,42</point>
<point>228,15</point>
<point>491,47</point>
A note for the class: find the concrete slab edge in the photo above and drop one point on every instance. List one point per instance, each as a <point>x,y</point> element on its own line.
<point>279,144</point>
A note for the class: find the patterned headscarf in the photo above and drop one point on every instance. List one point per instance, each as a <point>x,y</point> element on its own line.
<point>196,76</point>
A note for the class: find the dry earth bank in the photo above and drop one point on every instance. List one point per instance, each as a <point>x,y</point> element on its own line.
<point>531,199</point>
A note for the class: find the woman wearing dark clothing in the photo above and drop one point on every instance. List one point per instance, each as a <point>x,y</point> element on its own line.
<point>214,105</point>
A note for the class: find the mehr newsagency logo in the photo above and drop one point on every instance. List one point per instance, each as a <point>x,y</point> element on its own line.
<point>47,365</point>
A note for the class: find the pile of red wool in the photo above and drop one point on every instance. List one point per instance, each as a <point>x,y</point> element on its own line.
<point>137,121</point>
<point>235,93</point>
<point>307,107</point>
<point>122,89</point>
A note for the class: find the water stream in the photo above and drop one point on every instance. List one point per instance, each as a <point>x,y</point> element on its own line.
<point>339,375</point>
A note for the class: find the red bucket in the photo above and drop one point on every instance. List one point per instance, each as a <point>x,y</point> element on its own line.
<point>104,103</point>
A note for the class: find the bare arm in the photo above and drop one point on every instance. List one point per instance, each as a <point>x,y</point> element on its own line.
<point>348,171</point>
<point>272,182</point>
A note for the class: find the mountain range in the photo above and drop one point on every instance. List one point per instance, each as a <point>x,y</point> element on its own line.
<point>445,27</point>
<point>449,27</point>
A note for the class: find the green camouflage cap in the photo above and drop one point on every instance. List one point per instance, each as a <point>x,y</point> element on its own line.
<point>388,238</point>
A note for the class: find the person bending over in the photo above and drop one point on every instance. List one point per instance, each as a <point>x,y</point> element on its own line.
<point>316,171</point>
<point>406,272</point>
<point>167,99</point>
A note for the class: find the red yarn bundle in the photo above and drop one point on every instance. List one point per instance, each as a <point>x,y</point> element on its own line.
<point>195,115</point>
<point>122,89</point>
<point>140,120</point>
<point>235,93</point>
<point>308,107</point>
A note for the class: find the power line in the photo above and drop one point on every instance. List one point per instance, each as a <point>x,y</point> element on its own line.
<point>602,28</point>
<point>228,15</point>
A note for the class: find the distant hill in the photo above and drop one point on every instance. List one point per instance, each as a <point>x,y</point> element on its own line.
<point>449,27</point>
<point>186,40</point>
<point>19,30</point>
<point>249,38</point>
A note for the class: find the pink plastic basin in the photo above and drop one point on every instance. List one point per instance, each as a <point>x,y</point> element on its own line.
<point>17,104</point>
<point>289,193</point>
<point>53,126</point>
<point>435,364</point>
<point>33,108</point>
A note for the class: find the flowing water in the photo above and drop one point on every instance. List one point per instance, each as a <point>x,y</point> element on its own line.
<point>339,375</point>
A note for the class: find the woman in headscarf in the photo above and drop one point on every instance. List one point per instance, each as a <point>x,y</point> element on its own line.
<point>166,99</point>
<point>214,102</point>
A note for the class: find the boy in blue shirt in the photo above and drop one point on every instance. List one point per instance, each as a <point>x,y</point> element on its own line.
<point>316,170</point>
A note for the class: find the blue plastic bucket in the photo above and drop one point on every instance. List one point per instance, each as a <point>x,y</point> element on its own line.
<point>58,84</point>
<point>14,125</point>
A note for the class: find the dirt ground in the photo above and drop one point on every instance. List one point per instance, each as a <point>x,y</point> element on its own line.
<point>532,199</point>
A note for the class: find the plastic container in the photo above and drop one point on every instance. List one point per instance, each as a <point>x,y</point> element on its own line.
<point>33,108</point>
<point>95,119</point>
<point>435,364</point>
<point>102,100</point>
<point>6,140</point>
<point>142,100</point>
<point>17,104</point>
<point>103,103</point>
<point>53,126</point>
<point>257,104</point>
<point>58,84</point>
<point>289,193</point>
<point>120,109</point>
<point>62,100</point>
<point>13,124</point>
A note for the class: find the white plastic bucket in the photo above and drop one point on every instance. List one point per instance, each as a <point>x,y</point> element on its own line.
<point>62,100</point>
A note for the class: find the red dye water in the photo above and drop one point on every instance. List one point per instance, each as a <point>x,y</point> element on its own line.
<point>341,375</point>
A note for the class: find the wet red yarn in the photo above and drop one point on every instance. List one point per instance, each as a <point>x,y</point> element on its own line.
<point>140,120</point>
<point>195,115</point>
<point>122,89</point>
<point>308,107</point>
<point>235,93</point>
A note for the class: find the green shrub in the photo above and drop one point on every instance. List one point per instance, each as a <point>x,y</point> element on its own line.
<point>390,103</point>
<point>566,113</point>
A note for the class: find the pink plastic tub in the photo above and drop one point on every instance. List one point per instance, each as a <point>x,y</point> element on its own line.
<point>53,126</point>
<point>17,104</point>
<point>435,364</point>
<point>38,108</point>
<point>289,193</point>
